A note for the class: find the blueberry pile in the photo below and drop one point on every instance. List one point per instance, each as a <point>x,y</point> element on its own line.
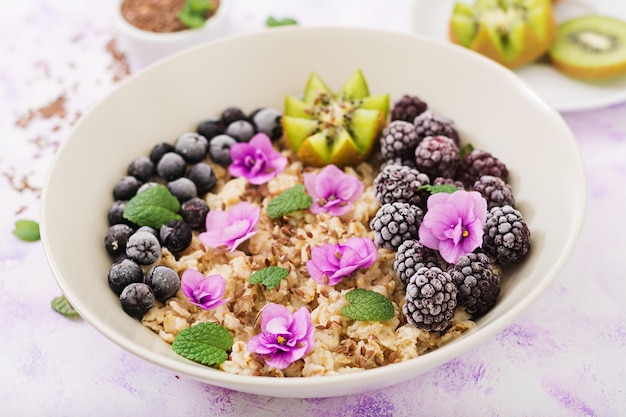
<point>185,168</point>
<point>420,147</point>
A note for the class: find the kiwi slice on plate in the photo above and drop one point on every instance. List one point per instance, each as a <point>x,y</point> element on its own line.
<point>590,47</point>
<point>511,32</point>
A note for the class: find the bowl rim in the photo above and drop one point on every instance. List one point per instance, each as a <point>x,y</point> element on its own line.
<point>259,385</point>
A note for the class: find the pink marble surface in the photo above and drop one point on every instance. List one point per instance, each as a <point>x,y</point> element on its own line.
<point>563,357</point>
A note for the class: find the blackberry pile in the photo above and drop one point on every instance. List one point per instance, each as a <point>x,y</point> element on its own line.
<point>185,167</point>
<point>437,159</point>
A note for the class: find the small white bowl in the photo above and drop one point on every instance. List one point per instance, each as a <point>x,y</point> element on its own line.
<point>491,106</point>
<point>144,47</point>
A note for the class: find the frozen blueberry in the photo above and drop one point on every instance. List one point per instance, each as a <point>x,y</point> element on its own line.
<point>159,150</point>
<point>182,188</point>
<point>211,127</point>
<point>115,215</point>
<point>163,281</point>
<point>171,166</point>
<point>232,114</point>
<point>143,247</point>
<point>267,120</point>
<point>191,146</point>
<point>203,177</point>
<point>136,299</point>
<point>116,239</point>
<point>142,168</point>
<point>176,235</point>
<point>194,212</point>
<point>149,230</point>
<point>123,273</point>
<point>219,149</point>
<point>147,185</point>
<point>241,130</point>
<point>126,188</point>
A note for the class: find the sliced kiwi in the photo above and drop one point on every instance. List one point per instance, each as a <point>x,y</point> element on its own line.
<point>511,32</point>
<point>341,129</point>
<point>590,47</point>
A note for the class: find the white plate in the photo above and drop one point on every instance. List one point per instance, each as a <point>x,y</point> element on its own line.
<point>565,94</point>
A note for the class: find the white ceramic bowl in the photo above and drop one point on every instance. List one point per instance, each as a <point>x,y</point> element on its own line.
<point>492,108</point>
<point>145,47</point>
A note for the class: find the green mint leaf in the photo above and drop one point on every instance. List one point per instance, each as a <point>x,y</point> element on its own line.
<point>290,200</point>
<point>273,22</point>
<point>366,305</point>
<point>206,343</point>
<point>27,230</point>
<point>62,306</point>
<point>466,149</point>
<point>270,277</point>
<point>152,207</point>
<point>441,188</point>
<point>193,14</point>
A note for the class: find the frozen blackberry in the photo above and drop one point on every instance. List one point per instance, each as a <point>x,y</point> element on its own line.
<point>192,147</point>
<point>437,156</point>
<point>394,223</point>
<point>430,123</point>
<point>495,191</point>
<point>430,299</point>
<point>507,237</point>
<point>398,140</point>
<point>408,108</point>
<point>141,168</point>
<point>398,183</point>
<point>412,256</point>
<point>399,161</point>
<point>448,181</point>
<point>477,163</point>
<point>478,285</point>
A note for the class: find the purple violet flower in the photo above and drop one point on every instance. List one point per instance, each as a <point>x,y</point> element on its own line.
<point>453,223</point>
<point>205,292</point>
<point>331,262</point>
<point>332,190</point>
<point>285,338</point>
<point>230,228</point>
<point>257,161</point>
